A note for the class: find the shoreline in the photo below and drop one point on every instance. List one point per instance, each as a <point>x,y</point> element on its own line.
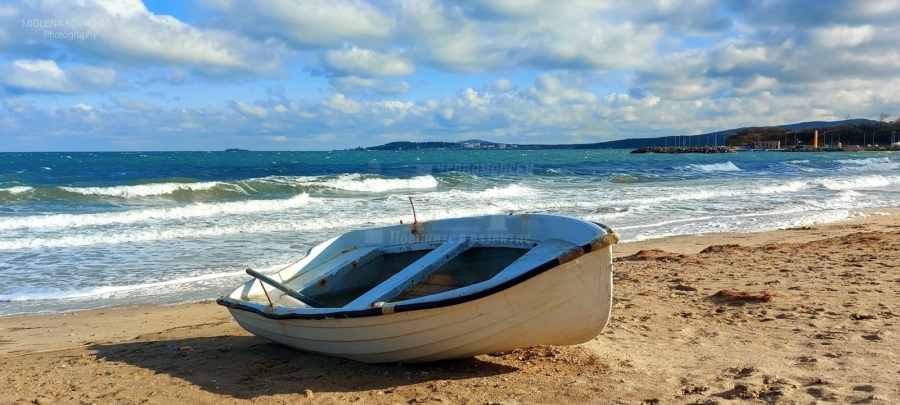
<point>679,243</point>
<point>828,334</point>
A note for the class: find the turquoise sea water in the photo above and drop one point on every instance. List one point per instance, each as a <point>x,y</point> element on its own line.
<point>83,230</point>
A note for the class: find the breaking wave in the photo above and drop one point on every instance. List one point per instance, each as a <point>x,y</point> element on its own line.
<point>857,182</point>
<point>367,183</point>
<point>141,190</point>
<point>129,217</point>
<point>713,167</point>
<point>870,164</point>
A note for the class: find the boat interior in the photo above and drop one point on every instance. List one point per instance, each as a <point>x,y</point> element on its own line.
<point>469,267</point>
<point>376,275</point>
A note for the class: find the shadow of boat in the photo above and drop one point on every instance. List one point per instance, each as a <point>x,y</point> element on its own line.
<point>247,367</point>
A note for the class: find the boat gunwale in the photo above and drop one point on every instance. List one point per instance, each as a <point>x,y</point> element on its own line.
<point>595,245</point>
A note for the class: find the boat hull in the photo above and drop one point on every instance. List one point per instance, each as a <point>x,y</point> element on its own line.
<point>567,304</point>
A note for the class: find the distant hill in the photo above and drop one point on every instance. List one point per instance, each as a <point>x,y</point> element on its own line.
<point>711,138</point>
<point>404,145</point>
<point>827,124</point>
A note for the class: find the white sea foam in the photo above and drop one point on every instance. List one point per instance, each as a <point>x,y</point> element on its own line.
<point>713,167</point>
<point>786,188</point>
<point>360,183</point>
<point>758,222</point>
<point>353,182</point>
<point>17,189</point>
<point>841,199</point>
<point>327,220</point>
<point>142,190</point>
<point>870,164</point>
<point>662,195</point>
<point>664,223</point>
<point>855,183</point>
<point>512,190</point>
<point>54,294</point>
<point>195,210</point>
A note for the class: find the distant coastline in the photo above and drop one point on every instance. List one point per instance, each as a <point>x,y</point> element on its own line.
<point>864,134</point>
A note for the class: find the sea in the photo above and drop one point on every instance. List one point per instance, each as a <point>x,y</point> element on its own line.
<point>89,230</point>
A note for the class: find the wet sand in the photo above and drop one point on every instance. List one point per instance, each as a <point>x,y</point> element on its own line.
<point>801,315</point>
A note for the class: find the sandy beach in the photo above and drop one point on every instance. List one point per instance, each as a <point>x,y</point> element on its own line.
<point>802,315</point>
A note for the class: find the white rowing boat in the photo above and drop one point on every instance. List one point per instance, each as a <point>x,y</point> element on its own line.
<point>436,290</point>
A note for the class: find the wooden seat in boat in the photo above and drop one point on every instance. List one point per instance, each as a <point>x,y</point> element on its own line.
<point>545,251</point>
<point>412,274</point>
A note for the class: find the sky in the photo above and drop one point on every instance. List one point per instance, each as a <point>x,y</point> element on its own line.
<point>126,75</point>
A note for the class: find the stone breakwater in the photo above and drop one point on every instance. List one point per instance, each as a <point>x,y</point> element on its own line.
<point>685,149</point>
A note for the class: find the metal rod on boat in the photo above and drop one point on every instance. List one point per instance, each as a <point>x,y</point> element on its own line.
<point>294,294</point>
<point>263,286</point>
<point>414,210</point>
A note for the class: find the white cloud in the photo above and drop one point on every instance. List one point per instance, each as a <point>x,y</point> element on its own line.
<point>306,24</point>
<point>506,9</point>
<point>842,36</point>
<point>127,35</point>
<point>539,34</point>
<point>591,44</point>
<point>395,105</point>
<point>18,106</point>
<point>356,84</point>
<point>501,85</point>
<point>738,54</point>
<point>152,38</point>
<point>476,100</point>
<point>756,84</point>
<point>367,62</point>
<point>451,40</point>
<point>549,90</point>
<point>129,104</point>
<point>342,104</point>
<point>256,111</point>
<point>46,76</point>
